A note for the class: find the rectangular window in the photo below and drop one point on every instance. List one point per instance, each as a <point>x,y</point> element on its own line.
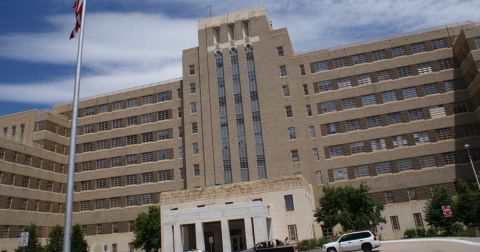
<point>147,99</point>
<point>292,232</point>
<point>100,204</point>
<point>85,185</point>
<point>132,103</point>
<point>195,148</point>
<point>412,194</point>
<point>394,118</point>
<point>132,120</point>
<point>147,177</point>
<point>421,137</point>
<point>404,164</point>
<point>89,128</point>
<point>311,131</point>
<point>308,109</point>
<point>341,62</point>
<point>378,144</point>
<point>117,142</point>
<point>322,86</point>
<point>395,223</point>
<point>353,125</point>
<point>90,111</point>
<point>288,111</point>
<point>444,134</point>
<point>147,137</point>
<point>114,202</point>
<point>398,51</point>
<point>410,92</point>
<point>100,183</point>
<point>191,69</point>
<point>280,51</point>
<point>374,121</point>
<point>147,118</point>
<point>368,100</point>
<point>84,205</point>
<point>357,147</point>
<point>439,43</point>
<point>117,123</point>
<point>164,175</point>
<point>315,154</point>
<point>459,107</point>
<point>165,154</point>
<point>384,75</point>
<point>101,163</point>
<point>332,128</point>
<point>349,103</point>
<point>450,85</point>
<point>437,111</point>
<point>147,198</point>
<point>117,105</point>
<point>291,133</point>
<point>336,150</point>
<point>289,203</point>
<point>302,69</point>
<point>164,96</point>
<point>131,200</point>
<point>181,171</point>
<point>194,127</point>
<point>344,83</point>
<point>404,71</point>
<point>147,157</point>
<point>286,90</point>
<point>340,174</point>
<point>445,64</point>
<point>427,161</point>
<point>389,96</point>
<point>318,177</point>
<point>379,55</point>
<point>320,66</point>
<point>424,68</point>
<point>329,106</point>
<point>400,140</point>
<point>295,156</point>
<point>164,134</point>
<point>132,159</point>
<point>449,158</point>
<point>283,70</point>
<point>429,89</point>
<point>164,115</point>
<point>196,169</point>
<point>117,161</point>
<point>419,47</point>
<point>383,168</point>
<point>417,217</point>
<point>305,89</point>
<point>389,197</point>
<point>364,79</point>
<point>102,126</point>
<point>415,114</point>
<point>359,59</point>
<point>361,171</point>
<point>87,147</point>
<point>132,179</point>
<point>114,230</point>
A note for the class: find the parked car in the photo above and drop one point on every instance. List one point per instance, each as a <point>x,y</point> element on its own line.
<point>363,240</point>
<point>273,246</point>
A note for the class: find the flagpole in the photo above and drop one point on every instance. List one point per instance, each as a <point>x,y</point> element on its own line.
<point>73,137</point>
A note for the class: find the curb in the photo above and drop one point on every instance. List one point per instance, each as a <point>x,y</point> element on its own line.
<point>434,239</point>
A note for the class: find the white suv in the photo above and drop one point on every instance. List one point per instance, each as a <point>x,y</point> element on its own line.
<point>363,240</point>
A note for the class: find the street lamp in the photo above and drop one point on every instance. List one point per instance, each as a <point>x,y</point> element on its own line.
<point>467,147</point>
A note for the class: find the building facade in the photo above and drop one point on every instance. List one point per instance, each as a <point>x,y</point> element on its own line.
<point>393,113</point>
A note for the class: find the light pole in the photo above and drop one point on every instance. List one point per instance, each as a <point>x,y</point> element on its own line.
<point>467,147</point>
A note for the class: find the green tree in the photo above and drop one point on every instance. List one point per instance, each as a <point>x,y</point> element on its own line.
<point>79,244</point>
<point>55,240</point>
<point>434,214</point>
<point>352,208</point>
<point>467,204</point>
<point>33,243</point>
<point>147,230</point>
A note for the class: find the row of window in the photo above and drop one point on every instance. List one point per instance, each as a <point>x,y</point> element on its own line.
<point>29,160</point>
<point>417,219</point>
<point>388,74</point>
<point>378,55</point>
<point>133,179</point>
<point>399,140</point>
<point>32,205</point>
<point>130,200</point>
<point>399,165</point>
<point>32,183</point>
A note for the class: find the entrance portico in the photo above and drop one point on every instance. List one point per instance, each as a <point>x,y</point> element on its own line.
<point>216,228</point>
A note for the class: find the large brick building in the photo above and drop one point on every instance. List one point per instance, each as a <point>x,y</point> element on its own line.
<point>393,113</point>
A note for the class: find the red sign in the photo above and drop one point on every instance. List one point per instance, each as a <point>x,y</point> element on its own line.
<point>447,211</point>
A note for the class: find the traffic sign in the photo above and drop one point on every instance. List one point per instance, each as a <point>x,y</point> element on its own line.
<point>447,211</point>
<point>23,239</point>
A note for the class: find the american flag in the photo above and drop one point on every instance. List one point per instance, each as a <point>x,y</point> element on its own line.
<point>77,7</point>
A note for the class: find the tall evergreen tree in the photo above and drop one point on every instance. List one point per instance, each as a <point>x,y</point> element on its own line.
<point>79,244</point>
<point>434,213</point>
<point>55,240</point>
<point>467,204</point>
<point>147,230</point>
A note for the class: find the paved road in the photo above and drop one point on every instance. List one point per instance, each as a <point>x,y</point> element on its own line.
<point>428,246</point>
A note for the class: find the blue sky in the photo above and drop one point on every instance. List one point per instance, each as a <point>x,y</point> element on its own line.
<point>135,42</point>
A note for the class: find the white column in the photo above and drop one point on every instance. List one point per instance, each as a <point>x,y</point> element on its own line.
<point>167,240</point>
<point>227,247</point>
<point>248,232</point>
<point>177,238</point>
<point>199,236</point>
<point>260,227</point>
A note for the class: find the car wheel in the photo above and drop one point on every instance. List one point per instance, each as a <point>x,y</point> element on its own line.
<point>367,247</point>
<point>331,250</point>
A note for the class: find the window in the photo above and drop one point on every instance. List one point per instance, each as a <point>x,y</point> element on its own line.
<point>417,217</point>
<point>288,111</point>
<point>164,134</point>
<point>364,79</point>
<point>147,198</point>
<point>429,89</point>
<point>349,103</point>
<point>180,152</point>
<point>132,120</point>
<point>131,200</point>
<point>400,140</point>
<point>378,144</point>
<point>449,158</point>
<point>332,128</point>
<point>181,171</point>
<point>445,64</point>
<point>132,139</point>
<point>115,202</point>
<point>311,131</point>
<point>394,118</point>
<point>147,137</point>
<point>85,185</point>
<point>305,89</point>
<point>100,204</point>
<point>114,230</point>
<point>383,168</point>
<point>147,177</point>
<point>101,163</point>
<point>404,164</point>
<point>295,156</point>
<point>336,150</point>
<point>194,127</point>
<point>345,82</point>
<point>102,126</point>
<point>389,96</point>
<point>131,179</point>
<point>320,66</point>
<point>459,107</point>
<point>291,133</point>
<point>117,161</point>
<point>404,71</point>
<point>87,147</point>
<point>147,157</point>
<point>412,194</point>
<point>390,198</point>
<point>132,103</point>
<point>283,70</point>
<point>100,183</point>
<point>421,137</point>
<point>165,154</point>
<point>427,161</point>
<point>322,86</point>
<point>195,148</point>
<point>164,175</point>
<point>132,159</point>
<point>5,231</point>
<point>148,118</point>
<point>444,134</point>
<point>117,105</point>
<point>280,51</point>
<point>131,226</point>
<point>117,142</point>
<point>384,75</point>
<point>89,129</point>
<point>147,99</point>
<point>358,59</point>
<point>357,147</point>
<point>419,47</point>
<point>395,223</point>
<point>329,106</point>
<point>374,121</point>
<point>84,206</point>
<point>302,69</point>
<point>289,203</point>
<point>361,171</point>
<point>450,85</point>
<point>117,123</point>
<point>292,232</point>
<point>353,125</point>
<point>439,43</point>
<point>308,109</point>
<point>437,111</point>
<point>164,115</point>
<point>415,114</point>
<point>191,69</point>
<point>103,108</point>
<point>318,177</point>
<point>25,181</point>
<point>286,90</point>
<point>341,62</point>
<point>340,174</point>
<point>379,55</point>
<point>368,100</point>
<point>315,154</point>
<point>196,169</point>
<point>424,68</point>
<point>164,96</point>
<point>398,51</point>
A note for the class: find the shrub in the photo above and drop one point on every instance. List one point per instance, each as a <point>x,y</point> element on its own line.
<point>431,232</point>
<point>459,230</point>
<point>421,232</point>
<point>308,244</point>
<point>410,233</point>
